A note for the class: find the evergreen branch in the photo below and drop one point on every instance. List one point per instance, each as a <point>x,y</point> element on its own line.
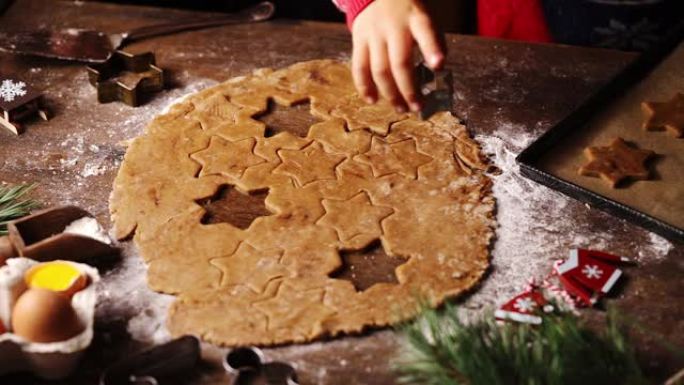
<point>12,206</point>
<point>439,349</point>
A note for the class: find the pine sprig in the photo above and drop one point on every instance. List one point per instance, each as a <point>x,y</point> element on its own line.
<point>439,349</point>
<point>12,206</point>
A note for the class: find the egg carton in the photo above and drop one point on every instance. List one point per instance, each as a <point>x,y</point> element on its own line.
<point>52,360</point>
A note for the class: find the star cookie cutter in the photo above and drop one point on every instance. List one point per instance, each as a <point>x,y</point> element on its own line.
<point>109,89</point>
<point>247,363</point>
<point>437,90</point>
<point>19,102</point>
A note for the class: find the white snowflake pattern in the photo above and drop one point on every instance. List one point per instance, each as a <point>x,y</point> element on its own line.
<point>10,89</point>
<point>524,304</point>
<point>592,271</point>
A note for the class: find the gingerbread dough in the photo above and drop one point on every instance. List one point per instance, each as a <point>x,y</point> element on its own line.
<point>665,115</point>
<point>616,162</point>
<point>363,174</point>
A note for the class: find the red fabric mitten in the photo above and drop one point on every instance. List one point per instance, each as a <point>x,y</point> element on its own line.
<point>589,274</point>
<point>512,19</point>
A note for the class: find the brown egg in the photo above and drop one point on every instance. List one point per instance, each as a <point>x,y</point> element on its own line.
<point>42,315</point>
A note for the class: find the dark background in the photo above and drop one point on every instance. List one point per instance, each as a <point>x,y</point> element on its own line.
<point>453,15</point>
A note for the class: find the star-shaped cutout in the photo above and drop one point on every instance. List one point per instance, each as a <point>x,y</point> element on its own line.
<point>356,220</point>
<point>665,116</point>
<point>223,157</point>
<point>389,158</point>
<point>333,135</point>
<point>214,111</point>
<point>296,310</point>
<point>308,164</point>
<point>616,162</point>
<point>251,267</point>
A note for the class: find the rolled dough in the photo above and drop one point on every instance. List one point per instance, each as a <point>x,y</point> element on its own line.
<point>364,173</point>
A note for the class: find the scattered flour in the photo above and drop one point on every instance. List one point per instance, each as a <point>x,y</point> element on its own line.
<point>534,222</point>
<point>124,295</point>
<point>88,227</point>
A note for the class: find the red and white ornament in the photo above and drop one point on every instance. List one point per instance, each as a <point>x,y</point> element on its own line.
<point>589,274</point>
<point>524,307</point>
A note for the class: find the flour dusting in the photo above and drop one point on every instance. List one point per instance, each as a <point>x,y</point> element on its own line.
<point>124,295</point>
<point>535,222</point>
<point>88,227</point>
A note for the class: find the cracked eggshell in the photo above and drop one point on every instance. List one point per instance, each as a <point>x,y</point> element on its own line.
<point>51,360</point>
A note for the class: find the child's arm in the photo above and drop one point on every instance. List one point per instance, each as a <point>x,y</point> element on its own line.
<point>383,34</point>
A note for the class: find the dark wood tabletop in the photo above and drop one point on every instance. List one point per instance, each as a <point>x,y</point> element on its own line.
<point>508,89</point>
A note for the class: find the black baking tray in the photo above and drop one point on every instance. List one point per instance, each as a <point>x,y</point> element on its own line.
<point>625,79</point>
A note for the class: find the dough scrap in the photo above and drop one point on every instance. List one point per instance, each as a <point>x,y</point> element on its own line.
<point>363,174</point>
<point>667,116</point>
<point>616,162</point>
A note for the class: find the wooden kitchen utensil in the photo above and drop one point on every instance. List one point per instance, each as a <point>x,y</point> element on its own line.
<point>96,47</point>
<point>41,237</point>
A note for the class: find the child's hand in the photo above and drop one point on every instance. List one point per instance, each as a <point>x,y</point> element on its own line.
<point>383,37</point>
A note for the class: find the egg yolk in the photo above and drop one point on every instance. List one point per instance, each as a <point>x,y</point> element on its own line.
<point>56,276</point>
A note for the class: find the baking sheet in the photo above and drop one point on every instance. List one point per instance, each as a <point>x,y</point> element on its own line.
<point>662,196</point>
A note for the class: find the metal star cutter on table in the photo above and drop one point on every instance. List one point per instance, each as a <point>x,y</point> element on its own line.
<point>110,87</point>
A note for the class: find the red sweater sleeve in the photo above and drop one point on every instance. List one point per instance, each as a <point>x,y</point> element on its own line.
<point>512,19</point>
<point>351,8</point>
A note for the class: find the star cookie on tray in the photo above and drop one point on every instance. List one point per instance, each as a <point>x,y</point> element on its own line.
<point>667,116</point>
<point>616,162</point>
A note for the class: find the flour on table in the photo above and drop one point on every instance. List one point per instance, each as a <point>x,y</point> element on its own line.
<point>535,222</point>
<point>88,227</point>
<point>124,295</point>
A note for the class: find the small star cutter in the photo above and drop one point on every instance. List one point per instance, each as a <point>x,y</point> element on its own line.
<point>616,162</point>
<point>437,90</point>
<point>103,78</point>
<point>19,102</point>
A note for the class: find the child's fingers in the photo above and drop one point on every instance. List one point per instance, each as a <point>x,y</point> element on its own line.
<point>428,42</point>
<point>399,49</point>
<point>382,74</point>
<point>361,72</point>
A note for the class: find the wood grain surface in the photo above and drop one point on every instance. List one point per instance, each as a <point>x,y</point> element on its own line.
<point>508,87</point>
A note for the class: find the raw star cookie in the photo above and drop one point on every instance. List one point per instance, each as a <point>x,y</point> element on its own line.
<point>361,176</point>
<point>616,162</point>
<point>667,116</point>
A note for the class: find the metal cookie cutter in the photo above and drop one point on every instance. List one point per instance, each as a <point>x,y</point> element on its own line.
<point>436,88</point>
<point>248,365</point>
<point>105,77</point>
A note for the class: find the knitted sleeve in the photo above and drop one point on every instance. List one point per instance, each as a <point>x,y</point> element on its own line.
<point>351,8</point>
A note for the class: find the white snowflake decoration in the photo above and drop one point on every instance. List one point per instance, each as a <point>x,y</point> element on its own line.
<point>592,271</point>
<point>524,305</point>
<point>10,89</point>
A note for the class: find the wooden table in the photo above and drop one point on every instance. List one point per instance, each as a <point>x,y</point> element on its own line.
<point>504,87</point>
